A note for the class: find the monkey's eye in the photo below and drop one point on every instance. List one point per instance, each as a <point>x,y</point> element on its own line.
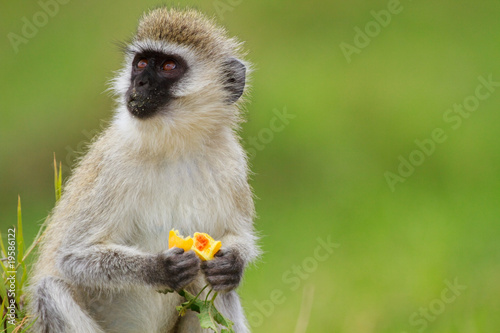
<point>142,63</point>
<point>169,65</point>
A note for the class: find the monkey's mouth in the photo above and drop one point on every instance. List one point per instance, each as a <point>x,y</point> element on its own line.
<point>143,106</point>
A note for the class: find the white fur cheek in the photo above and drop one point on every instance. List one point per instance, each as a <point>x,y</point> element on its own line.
<point>120,83</point>
<point>127,128</point>
<point>123,119</point>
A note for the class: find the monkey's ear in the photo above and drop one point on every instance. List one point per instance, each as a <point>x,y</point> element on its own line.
<point>234,71</point>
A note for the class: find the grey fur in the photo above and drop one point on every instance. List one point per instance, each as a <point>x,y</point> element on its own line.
<point>57,310</point>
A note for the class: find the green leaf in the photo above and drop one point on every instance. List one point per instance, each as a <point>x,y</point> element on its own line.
<point>208,315</point>
<point>193,303</point>
<point>218,317</point>
<point>206,320</point>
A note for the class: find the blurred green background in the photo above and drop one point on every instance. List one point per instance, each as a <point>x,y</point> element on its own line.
<point>323,175</point>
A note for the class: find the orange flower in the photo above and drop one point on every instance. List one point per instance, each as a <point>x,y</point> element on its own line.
<point>179,241</point>
<point>205,246</point>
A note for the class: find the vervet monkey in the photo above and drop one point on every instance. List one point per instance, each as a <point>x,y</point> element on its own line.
<point>170,158</point>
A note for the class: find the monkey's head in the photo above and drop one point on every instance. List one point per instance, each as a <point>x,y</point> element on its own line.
<point>180,65</point>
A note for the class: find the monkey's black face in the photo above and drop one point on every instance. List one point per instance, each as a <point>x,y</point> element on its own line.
<point>153,76</point>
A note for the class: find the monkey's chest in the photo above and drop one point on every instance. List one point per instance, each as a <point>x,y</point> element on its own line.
<point>185,198</point>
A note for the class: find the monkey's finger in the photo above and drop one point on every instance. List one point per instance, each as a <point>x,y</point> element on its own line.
<point>220,265</point>
<point>190,254</point>
<point>186,265</point>
<point>208,265</point>
<point>187,277</point>
<point>219,261</point>
<point>221,271</point>
<point>223,279</point>
<point>222,252</point>
<point>182,276</point>
<point>190,259</point>
<point>174,251</point>
<point>224,287</point>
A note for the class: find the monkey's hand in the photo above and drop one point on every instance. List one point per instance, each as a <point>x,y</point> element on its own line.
<point>224,272</point>
<point>174,268</point>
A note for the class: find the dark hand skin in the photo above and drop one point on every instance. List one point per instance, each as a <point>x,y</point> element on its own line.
<point>224,272</point>
<point>174,268</point>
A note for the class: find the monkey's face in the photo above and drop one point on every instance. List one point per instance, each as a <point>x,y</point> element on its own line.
<point>157,78</point>
<point>154,74</point>
<point>180,69</point>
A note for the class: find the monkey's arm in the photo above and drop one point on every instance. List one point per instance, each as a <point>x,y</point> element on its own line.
<point>117,266</point>
<point>239,240</point>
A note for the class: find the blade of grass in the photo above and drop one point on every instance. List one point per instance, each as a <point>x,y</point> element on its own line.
<point>22,255</point>
<point>4,253</point>
<point>4,316</point>
<point>3,290</point>
<point>20,325</point>
<point>19,233</point>
<point>20,251</point>
<point>19,236</point>
<point>59,182</point>
<point>57,179</point>
<point>28,327</point>
<point>4,296</point>
<point>55,176</point>
<point>37,239</point>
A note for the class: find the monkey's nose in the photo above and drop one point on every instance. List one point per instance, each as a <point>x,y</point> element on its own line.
<point>142,82</point>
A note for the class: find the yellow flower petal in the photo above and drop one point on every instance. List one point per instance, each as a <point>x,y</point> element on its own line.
<point>178,241</point>
<point>205,246</point>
